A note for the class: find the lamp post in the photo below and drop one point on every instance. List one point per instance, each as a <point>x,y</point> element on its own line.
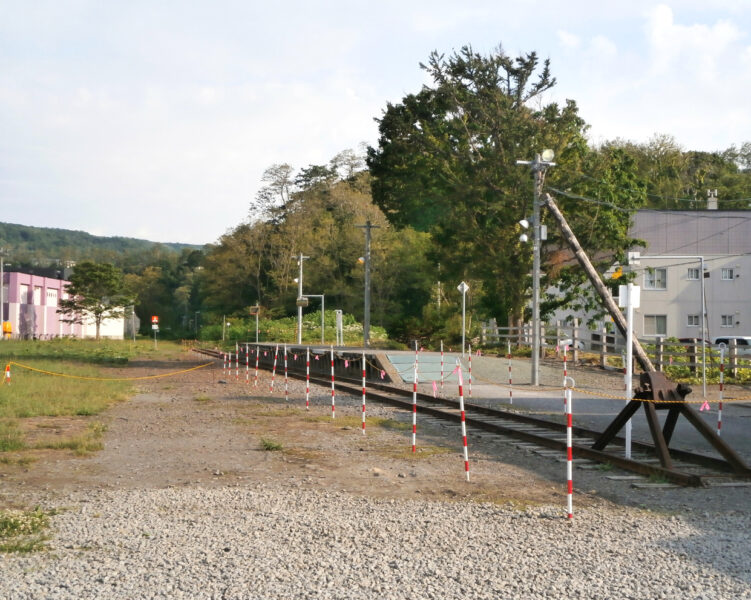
<point>300,260</point>
<point>538,167</point>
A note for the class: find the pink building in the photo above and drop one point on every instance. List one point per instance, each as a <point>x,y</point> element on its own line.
<point>30,304</point>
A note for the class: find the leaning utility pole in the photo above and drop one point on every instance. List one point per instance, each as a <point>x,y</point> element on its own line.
<point>600,287</point>
<point>366,317</point>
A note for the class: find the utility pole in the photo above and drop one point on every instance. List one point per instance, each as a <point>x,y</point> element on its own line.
<point>300,258</point>
<point>366,317</point>
<point>538,166</point>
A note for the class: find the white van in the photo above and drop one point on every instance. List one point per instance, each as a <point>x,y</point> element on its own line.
<point>743,342</point>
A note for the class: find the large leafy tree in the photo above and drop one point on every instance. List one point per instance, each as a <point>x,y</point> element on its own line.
<point>446,164</point>
<point>95,292</point>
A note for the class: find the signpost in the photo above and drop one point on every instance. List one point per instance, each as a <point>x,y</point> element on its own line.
<point>256,310</point>
<point>463,288</point>
<point>629,298</point>
<point>155,327</point>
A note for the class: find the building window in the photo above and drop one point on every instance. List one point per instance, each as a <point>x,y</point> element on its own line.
<point>51,297</point>
<point>693,274</point>
<point>727,320</point>
<point>655,325</point>
<point>728,274</point>
<point>656,279</point>
<point>37,295</point>
<point>693,321</point>
<point>24,289</point>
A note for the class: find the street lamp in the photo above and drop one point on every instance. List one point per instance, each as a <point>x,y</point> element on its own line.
<point>538,166</point>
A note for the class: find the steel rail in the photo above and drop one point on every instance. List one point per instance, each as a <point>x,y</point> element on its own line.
<point>429,405</point>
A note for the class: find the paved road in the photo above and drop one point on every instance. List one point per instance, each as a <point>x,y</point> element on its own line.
<point>597,398</point>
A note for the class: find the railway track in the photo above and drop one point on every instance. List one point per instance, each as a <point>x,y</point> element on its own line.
<point>689,468</point>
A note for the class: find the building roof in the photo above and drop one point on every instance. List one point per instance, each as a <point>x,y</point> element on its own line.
<point>701,233</point>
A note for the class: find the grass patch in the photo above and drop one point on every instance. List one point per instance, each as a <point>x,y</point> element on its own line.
<point>82,445</point>
<point>34,394</point>
<point>271,445</point>
<point>21,461</point>
<point>11,437</point>
<point>202,398</point>
<point>605,467</point>
<point>22,531</point>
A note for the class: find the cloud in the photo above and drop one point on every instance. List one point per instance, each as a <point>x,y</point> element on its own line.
<point>568,40</point>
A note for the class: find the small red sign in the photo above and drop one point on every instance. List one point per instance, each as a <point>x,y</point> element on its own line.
<point>155,319</point>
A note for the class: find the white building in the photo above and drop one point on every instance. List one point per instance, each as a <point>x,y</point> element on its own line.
<point>685,249</point>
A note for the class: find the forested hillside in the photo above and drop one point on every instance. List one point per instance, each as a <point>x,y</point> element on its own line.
<point>46,244</point>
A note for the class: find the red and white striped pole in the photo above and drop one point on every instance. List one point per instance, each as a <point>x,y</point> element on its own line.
<point>363,393</point>
<point>569,383</point>
<point>414,403</point>
<point>247,365</point>
<point>237,362</point>
<point>258,354</point>
<point>224,364</point>
<point>286,379</point>
<point>722,381</point>
<point>441,366</point>
<point>464,424</point>
<point>273,370</point>
<point>307,378</point>
<point>565,371</point>
<point>510,389</point>
<point>7,374</point>
<point>333,393</point>
<point>469,368</point>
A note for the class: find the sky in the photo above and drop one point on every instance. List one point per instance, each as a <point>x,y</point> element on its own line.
<point>157,119</point>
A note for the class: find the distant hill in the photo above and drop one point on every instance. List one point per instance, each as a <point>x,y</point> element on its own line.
<point>46,245</point>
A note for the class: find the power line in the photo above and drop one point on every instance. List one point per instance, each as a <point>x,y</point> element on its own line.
<point>649,195</point>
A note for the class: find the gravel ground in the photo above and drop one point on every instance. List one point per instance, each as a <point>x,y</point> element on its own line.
<point>272,541</point>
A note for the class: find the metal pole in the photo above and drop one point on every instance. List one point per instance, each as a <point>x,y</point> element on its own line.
<point>224,322</point>
<point>300,260</point>
<point>323,312</point>
<point>259,310</point>
<point>464,316</point>
<point>536,272</point>
<point>703,330</point>
<point>629,359</point>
